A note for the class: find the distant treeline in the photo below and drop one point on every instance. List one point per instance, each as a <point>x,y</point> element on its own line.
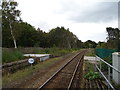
<point>27,36</point>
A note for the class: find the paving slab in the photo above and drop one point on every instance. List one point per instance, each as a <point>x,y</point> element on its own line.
<point>90,58</point>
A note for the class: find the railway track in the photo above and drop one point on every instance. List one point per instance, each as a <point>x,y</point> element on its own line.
<point>68,76</point>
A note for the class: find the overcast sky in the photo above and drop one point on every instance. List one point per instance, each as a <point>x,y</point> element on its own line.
<point>87,20</point>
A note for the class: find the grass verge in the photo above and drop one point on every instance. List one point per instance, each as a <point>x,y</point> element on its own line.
<point>91,52</point>
<point>88,66</point>
<point>27,71</point>
<point>11,55</point>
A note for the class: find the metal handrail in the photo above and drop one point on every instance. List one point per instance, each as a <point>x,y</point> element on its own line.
<point>105,78</point>
<point>108,64</point>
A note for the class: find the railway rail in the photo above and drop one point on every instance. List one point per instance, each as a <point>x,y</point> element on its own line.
<point>68,76</point>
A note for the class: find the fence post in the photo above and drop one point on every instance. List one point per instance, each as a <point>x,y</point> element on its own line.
<point>116,64</point>
<point>95,64</point>
<point>108,76</point>
<point>100,66</point>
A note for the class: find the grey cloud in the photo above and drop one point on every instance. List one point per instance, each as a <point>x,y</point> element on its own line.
<point>100,12</point>
<point>104,12</point>
<point>43,25</point>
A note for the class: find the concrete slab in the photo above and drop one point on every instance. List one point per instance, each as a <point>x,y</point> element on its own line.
<point>36,55</point>
<point>91,58</point>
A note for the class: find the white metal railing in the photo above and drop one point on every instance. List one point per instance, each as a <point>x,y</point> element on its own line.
<point>109,67</point>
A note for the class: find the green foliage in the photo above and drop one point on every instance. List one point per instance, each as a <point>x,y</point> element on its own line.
<point>10,16</point>
<point>9,56</point>
<point>104,66</point>
<point>55,51</point>
<point>113,38</point>
<point>89,44</point>
<point>61,52</point>
<point>91,52</point>
<point>102,45</point>
<point>28,35</point>
<point>92,75</point>
<point>62,38</point>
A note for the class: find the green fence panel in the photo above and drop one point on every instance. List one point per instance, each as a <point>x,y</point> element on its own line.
<point>104,53</point>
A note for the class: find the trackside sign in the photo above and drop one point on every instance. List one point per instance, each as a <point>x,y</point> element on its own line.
<point>31,60</point>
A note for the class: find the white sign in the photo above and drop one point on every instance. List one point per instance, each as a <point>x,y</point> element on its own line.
<point>31,60</point>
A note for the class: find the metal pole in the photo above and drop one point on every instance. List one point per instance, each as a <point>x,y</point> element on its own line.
<point>100,65</point>
<point>108,76</point>
<point>105,78</point>
<point>94,65</point>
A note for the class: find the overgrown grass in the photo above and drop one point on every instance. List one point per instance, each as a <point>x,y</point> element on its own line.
<point>90,73</point>
<point>27,71</point>
<point>54,51</point>
<point>91,52</point>
<point>89,66</point>
<point>9,56</point>
<point>104,66</point>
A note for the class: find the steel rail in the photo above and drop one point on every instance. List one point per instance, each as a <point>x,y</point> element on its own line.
<point>58,71</point>
<point>74,73</point>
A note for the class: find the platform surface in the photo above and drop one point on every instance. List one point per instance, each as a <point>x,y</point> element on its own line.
<point>91,58</point>
<point>36,55</point>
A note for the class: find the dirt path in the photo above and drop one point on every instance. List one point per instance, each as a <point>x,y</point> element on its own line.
<point>37,78</point>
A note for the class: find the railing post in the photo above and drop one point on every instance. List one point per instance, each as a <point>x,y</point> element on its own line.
<point>108,76</point>
<point>95,64</point>
<point>100,65</point>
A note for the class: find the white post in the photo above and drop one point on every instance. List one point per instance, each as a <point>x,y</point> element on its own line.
<point>108,76</point>
<point>116,64</point>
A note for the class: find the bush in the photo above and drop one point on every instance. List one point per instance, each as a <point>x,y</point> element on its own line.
<point>57,51</point>
<point>11,55</point>
<point>104,66</point>
<point>92,75</point>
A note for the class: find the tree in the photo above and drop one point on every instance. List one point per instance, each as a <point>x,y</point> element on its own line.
<point>113,38</point>
<point>28,35</point>
<point>79,44</point>
<point>10,16</point>
<point>102,45</point>
<point>90,44</point>
<point>63,38</point>
<point>42,38</point>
